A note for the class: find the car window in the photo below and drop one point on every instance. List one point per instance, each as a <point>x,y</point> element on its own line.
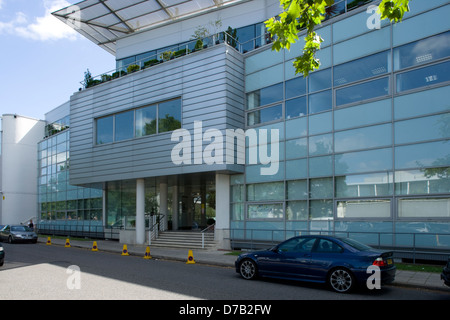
<point>297,245</point>
<point>328,246</point>
<point>355,244</point>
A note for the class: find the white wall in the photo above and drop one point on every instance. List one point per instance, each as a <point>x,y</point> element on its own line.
<point>19,168</point>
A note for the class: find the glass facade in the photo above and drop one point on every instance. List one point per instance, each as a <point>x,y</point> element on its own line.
<point>366,140</point>
<point>63,208</point>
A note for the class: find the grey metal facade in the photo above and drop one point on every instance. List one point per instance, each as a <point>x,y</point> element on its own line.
<point>210,84</point>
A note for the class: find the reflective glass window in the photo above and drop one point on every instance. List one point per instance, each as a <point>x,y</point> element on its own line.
<point>320,209</point>
<point>364,114</point>
<point>363,91</point>
<point>364,161</point>
<point>265,191</point>
<point>237,193</point>
<point>295,87</point>
<point>146,121</point>
<point>320,166</point>
<point>105,130</point>
<point>296,128</point>
<point>360,69</point>
<point>169,114</point>
<point>297,148</point>
<point>124,126</point>
<point>237,211</point>
<point>246,35</point>
<point>296,210</point>
<point>296,169</point>
<point>424,181</point>
<point>296,190</point>
<point>319,102</point>
<point>321,188</point>
<point>320,145</point>
<point>296,107</point>
<point>421,129</point>
<point>320,123</point>
<point>363,138</point>
<point>364,185</point>
<point>319,80</point>
<point>265,115</point>
<point>422,51</point>
<point>423,77</point>
<point>411,105</point>
<point>266,211</point>
<point>422,155</point>
<point>265,96</point>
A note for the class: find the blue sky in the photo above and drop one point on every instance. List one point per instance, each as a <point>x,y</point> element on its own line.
<point>42,61</point>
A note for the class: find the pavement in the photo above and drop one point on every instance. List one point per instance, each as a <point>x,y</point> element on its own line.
<point>422,280</point>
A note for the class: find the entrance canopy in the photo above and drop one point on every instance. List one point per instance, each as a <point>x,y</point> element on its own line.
<point>105,21</point>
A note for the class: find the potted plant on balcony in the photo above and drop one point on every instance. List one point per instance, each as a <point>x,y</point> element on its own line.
<point>133,68</point>
<point>118,74</point>
<point>150,63</point>
<point>166,55</point>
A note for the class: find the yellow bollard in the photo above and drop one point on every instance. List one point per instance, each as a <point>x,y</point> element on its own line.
<point>94,246</point>
<point>125,250</point>
<point>67,243</point>
<point>49,241</point>
<point>190,258</point>
<point>147,253</point>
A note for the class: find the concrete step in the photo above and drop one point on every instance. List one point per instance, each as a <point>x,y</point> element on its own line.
<point>189,240</point>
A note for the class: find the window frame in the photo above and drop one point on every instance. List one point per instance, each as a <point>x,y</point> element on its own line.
<point>134,110</point>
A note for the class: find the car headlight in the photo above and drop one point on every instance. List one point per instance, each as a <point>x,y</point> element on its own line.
<point>1,249</point>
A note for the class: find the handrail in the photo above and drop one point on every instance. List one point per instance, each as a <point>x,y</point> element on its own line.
<point>154,232</point>
<point>208,228</point>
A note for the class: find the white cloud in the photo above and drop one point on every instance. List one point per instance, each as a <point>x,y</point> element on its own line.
<point>42,28</point>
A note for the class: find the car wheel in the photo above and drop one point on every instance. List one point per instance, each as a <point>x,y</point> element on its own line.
<point>341,280</point>
<point>10,239</point>
<point>248,269</point>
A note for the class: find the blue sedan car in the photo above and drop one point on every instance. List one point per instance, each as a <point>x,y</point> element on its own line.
<point>340,262</point>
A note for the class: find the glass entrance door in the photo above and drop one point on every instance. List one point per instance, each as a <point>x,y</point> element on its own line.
<point>197,196</point>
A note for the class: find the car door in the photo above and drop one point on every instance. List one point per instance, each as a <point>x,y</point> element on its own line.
<point>291,258</point>
<point>324,255</point>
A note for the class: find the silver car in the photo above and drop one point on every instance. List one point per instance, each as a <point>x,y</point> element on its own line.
<point>18,233</point>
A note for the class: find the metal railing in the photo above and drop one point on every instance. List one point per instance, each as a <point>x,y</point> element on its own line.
<point>157,224</point>
<point>414,246</point>
<point>206,230</point>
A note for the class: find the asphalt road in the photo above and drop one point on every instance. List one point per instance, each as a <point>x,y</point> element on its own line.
<point>40,272</point>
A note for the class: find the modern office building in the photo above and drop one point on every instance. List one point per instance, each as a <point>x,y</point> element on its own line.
<point>219,126</point>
